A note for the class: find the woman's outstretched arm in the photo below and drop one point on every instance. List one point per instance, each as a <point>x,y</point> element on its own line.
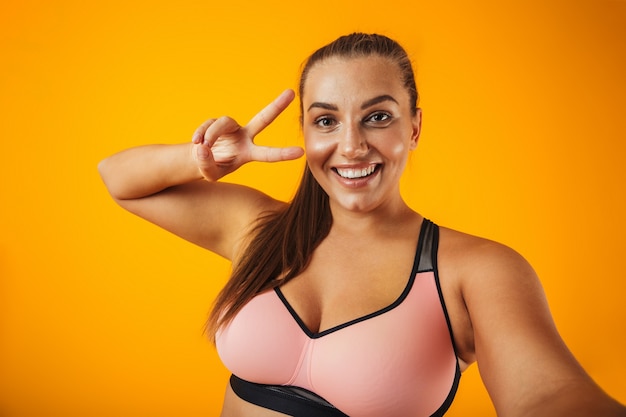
<point>175,186</point>
<point>525,365</point>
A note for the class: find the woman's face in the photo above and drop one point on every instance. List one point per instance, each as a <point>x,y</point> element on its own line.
<point>358,131</point>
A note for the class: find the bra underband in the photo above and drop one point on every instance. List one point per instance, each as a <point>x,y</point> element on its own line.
<point>299,402</point>
<point>293,401</point>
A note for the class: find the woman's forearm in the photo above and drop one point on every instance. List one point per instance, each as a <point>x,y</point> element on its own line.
<point>145,170</point>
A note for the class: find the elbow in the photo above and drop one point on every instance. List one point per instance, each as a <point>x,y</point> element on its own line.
<point>103,169</point>
<point>107,174</point>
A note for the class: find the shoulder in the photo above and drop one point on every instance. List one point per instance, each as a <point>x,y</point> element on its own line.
<point>476,275</point>
<point>476,261</point>
<point>504,323</point>
<point>468,252</point>
<point>240,213</point>
<point>490,277</point>
<point>522,359</point>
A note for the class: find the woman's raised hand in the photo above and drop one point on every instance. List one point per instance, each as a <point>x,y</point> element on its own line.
<point>222,145</point>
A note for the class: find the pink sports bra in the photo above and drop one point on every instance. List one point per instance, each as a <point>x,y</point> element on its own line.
<point>396,362</point>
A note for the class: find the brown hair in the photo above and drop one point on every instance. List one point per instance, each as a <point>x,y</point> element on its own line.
<point>282,242</point>
<point>359,45</point>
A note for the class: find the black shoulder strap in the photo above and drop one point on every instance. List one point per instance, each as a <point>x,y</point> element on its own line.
<point>427,244</point>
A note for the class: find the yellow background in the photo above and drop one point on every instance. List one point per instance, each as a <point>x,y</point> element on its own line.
<point>101,313</point>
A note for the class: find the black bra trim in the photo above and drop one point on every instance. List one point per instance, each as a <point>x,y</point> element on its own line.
<point>293,401</point>
<point>434,250</point>
<point>421,263</point>
<point>299,402</point>
<point>448,401</point>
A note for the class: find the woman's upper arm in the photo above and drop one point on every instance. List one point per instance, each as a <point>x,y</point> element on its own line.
<point>213,215</point>
<point>523,361</point>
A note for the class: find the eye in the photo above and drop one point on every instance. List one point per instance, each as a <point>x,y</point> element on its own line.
<point>324,122</point>
<point>378,118</point>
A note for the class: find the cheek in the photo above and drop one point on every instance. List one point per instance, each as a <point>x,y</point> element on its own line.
<point>391,147</point>
<point>317,148</point>
<point>398,150</point>
<point>401,148</point>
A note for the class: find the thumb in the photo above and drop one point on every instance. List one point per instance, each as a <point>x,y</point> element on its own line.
<point>204,158</point>
<point>203,155</point>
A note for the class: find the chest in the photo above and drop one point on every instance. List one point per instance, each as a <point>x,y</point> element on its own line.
<point>347,280</point>
<point>364,328</point>
<point>396,361</point>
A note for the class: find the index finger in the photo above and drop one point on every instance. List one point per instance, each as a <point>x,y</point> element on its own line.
<point>266,116</point>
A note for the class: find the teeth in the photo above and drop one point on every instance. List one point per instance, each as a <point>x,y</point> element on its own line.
<point>352,173</point>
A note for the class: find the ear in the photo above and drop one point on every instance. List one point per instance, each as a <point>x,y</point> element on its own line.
<point>417,128</point>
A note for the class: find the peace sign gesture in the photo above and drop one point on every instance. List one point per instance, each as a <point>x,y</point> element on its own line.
<point>222,145</point>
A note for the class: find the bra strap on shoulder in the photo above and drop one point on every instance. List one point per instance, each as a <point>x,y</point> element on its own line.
<point>427,246</point>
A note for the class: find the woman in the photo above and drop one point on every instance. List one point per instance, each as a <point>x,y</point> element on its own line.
<point>346,301</point>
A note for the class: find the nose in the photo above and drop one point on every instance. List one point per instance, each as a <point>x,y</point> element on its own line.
<point>352,142</point>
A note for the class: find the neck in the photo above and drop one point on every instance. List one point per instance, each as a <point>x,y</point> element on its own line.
<point>392,220</point>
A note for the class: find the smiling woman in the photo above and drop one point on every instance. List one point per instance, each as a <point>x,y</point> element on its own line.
<point>345,301</point>
<point>360,118</point>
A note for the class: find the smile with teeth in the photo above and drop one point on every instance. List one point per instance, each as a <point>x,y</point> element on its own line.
<point>353,173</point>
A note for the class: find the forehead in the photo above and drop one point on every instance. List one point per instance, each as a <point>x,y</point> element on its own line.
<point>336,79</point>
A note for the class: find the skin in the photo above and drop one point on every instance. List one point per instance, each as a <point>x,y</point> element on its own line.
<point>357,116</point>
<point>348,127</point>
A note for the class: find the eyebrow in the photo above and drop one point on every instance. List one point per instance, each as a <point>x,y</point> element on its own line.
<point>321,105</point>
<point>365,105</point>
<point>376,100</point>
